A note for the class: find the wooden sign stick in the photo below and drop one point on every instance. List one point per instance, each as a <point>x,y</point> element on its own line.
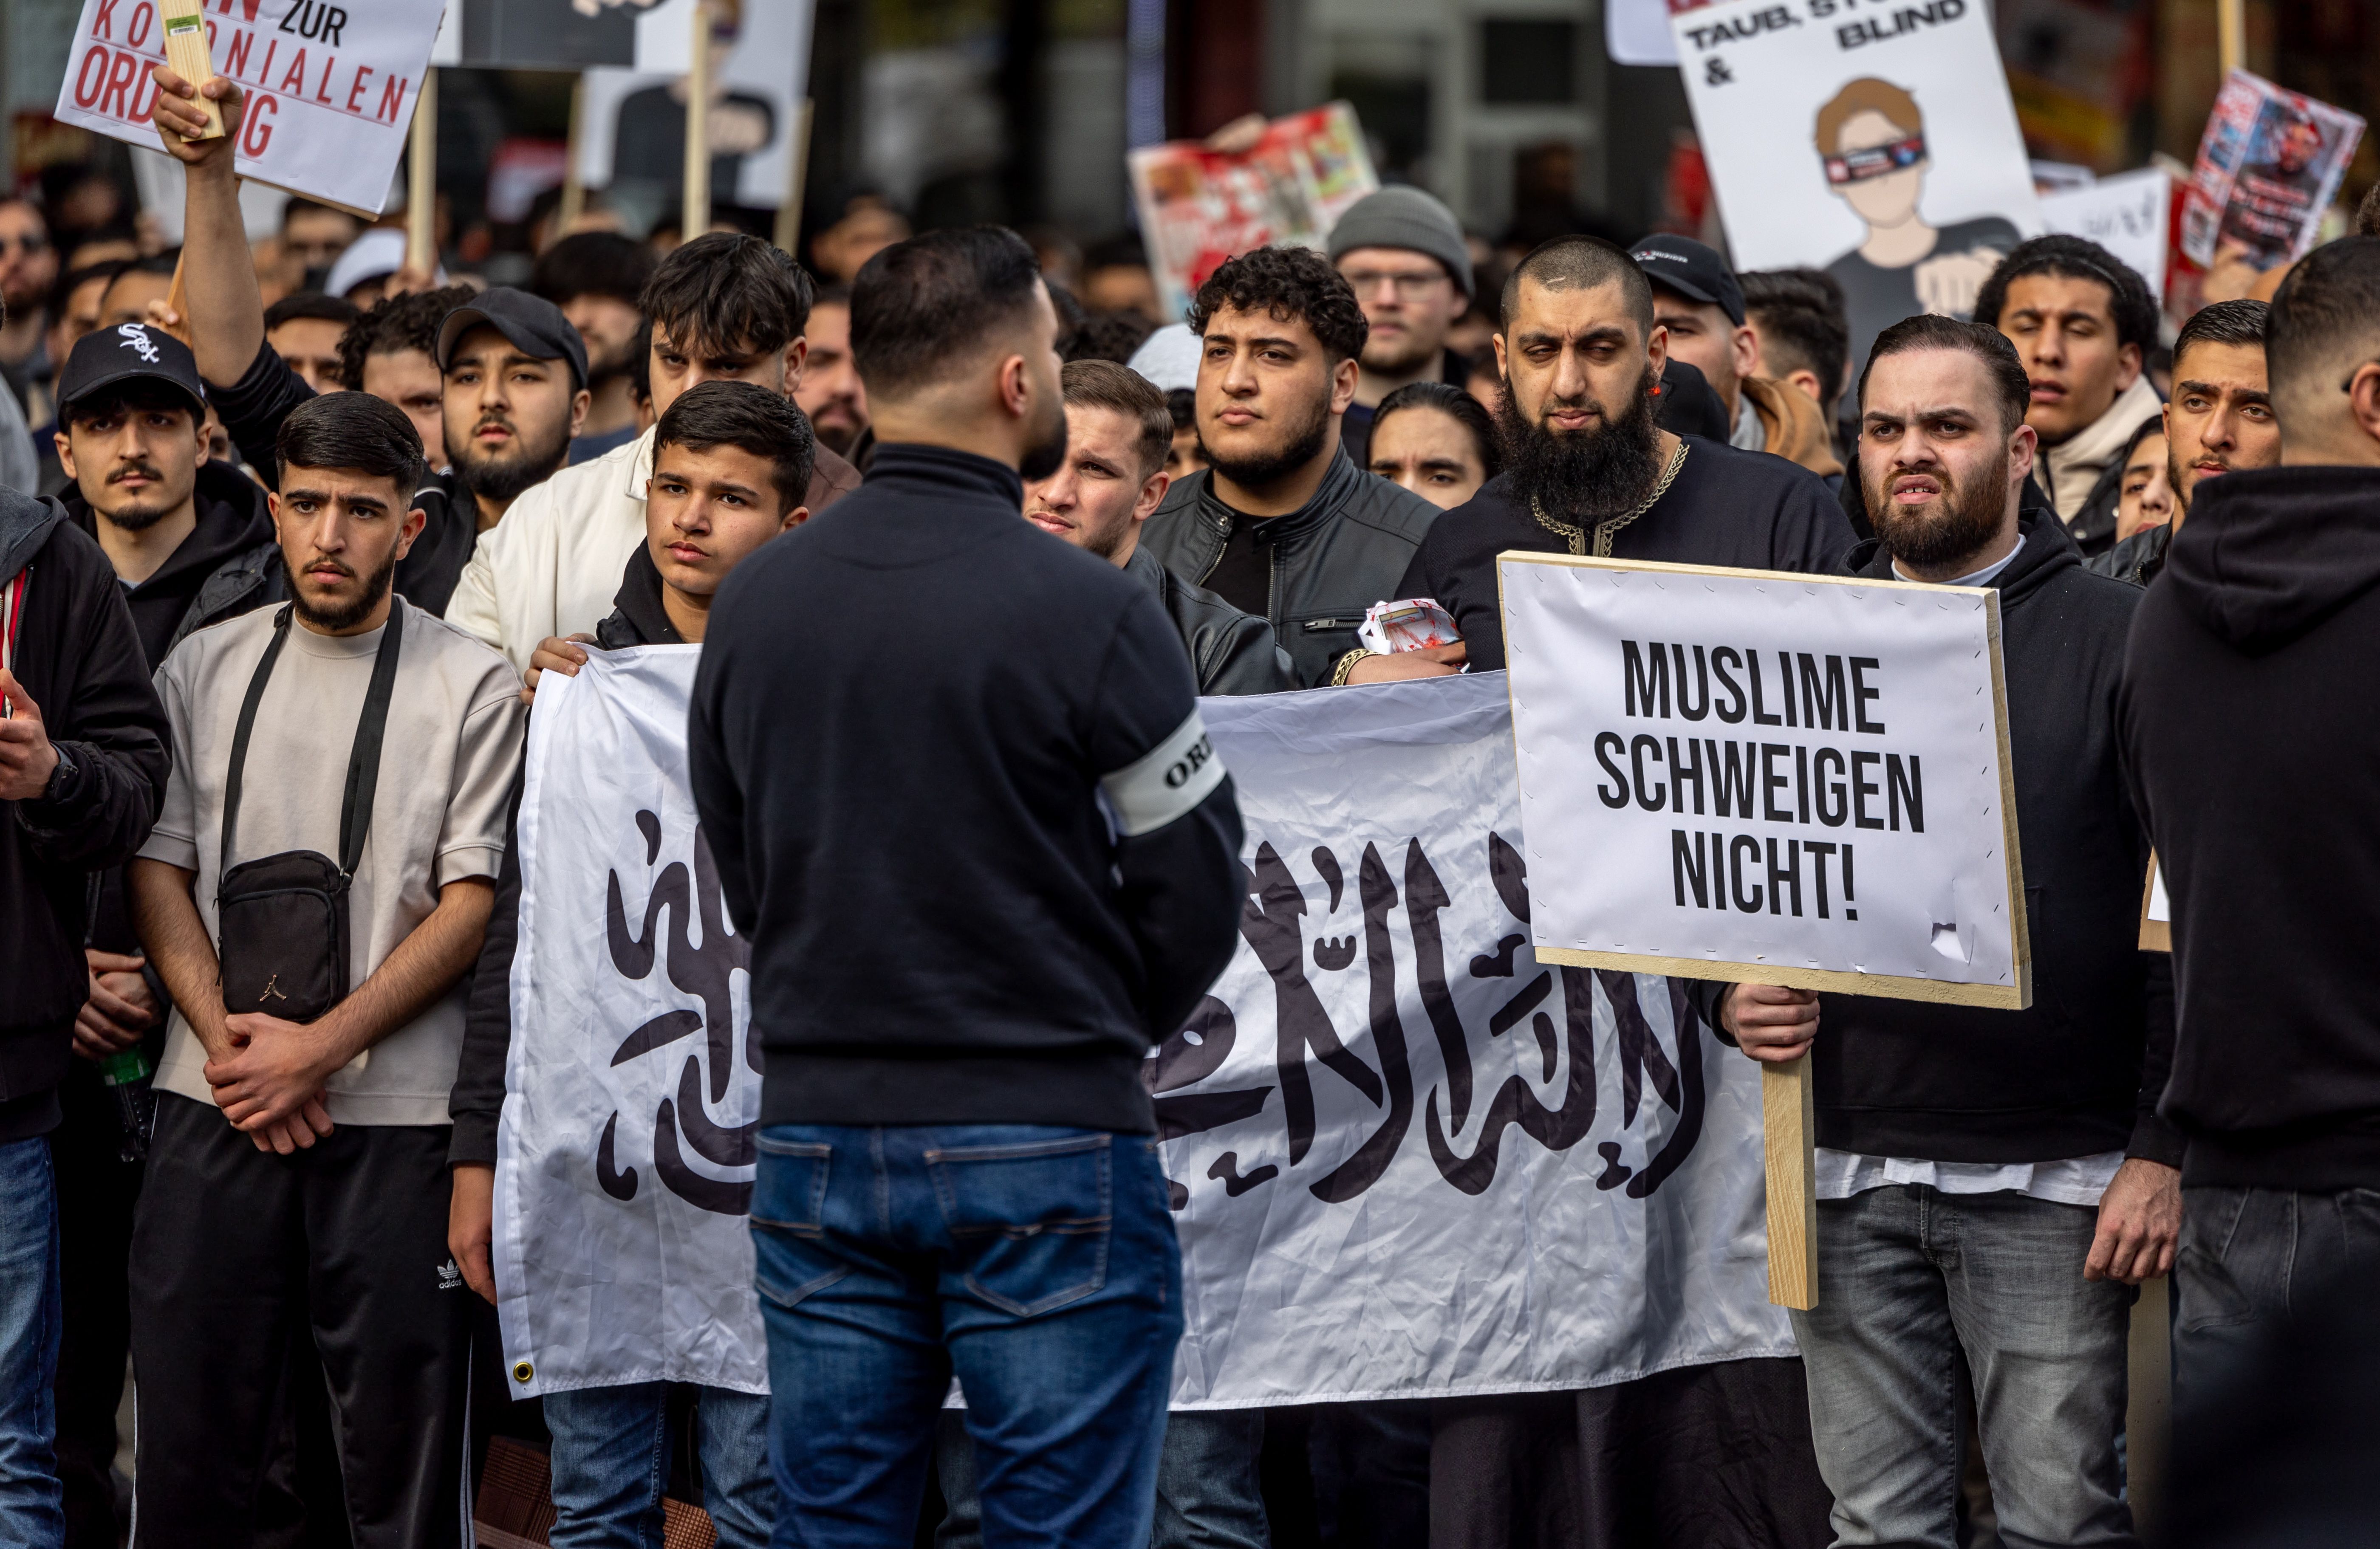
<point>186,51</point>
<point>1786,1119</point>
<point>695,218</point>
<point>421,179</point>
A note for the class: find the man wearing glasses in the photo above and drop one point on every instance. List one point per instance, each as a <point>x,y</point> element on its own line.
<point>1404,253</point>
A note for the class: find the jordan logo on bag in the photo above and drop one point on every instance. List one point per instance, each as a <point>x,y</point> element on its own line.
<point>271,988</point>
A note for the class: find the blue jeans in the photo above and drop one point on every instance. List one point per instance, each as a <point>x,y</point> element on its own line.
<point>1207,1492</point>
<point>612,1458</point>
<point>2248,1258</point>
<point>32,1504</point>
<point>1907,1279</point>
<point>1035,1264</point>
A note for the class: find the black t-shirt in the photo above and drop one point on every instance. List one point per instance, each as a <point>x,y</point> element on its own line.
<point>1742,509</point>
<point>1876,298</point>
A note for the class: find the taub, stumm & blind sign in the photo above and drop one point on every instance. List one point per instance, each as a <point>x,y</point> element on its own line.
<point>1766,778</point>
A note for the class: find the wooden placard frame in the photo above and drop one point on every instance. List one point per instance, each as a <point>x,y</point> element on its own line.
<point>188,51</point>
<point>2156,936</point>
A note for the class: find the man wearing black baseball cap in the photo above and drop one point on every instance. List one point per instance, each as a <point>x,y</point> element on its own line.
<point>515,370</point>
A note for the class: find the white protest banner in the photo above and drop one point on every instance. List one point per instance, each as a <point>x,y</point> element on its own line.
<point>2129,216</point>
<point>627,1151</point>
<point>329,88</point>
<point>1409,1159</point>
<point>1874,141</point>
<point>1791,780</point>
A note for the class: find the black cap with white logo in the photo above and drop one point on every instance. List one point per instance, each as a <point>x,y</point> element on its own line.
<point>1694,271</point>
<point>105,356</point>
<point>530,324</point>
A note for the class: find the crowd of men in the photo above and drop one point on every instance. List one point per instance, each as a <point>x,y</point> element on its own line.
<point>963,807</point>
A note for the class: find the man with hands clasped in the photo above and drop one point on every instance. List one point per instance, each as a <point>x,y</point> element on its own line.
<point>1990,1183</point>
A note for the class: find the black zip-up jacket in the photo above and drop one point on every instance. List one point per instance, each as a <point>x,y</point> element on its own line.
<point>1231,652</point>
<point>2080,1072</point>
<point>963,807</point>
<point>2139,558</point>
<point>1331,558</point>
<point>216,573</point>
<point>2249,720</point>
<point>78,658</point>
<point>252,409</point>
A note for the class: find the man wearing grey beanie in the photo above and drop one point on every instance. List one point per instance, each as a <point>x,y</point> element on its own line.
<point>1403,252</point>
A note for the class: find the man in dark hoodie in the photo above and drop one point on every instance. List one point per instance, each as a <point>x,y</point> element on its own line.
<point>82,774</point>
<point>2246,728</point>
<point>1990,1183</point>
<point>191,542</point>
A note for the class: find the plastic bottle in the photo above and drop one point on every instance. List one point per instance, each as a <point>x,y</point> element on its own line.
<point>127,1073</point>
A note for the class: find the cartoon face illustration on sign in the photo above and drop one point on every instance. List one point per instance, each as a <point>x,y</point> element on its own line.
<point>1871,141</point>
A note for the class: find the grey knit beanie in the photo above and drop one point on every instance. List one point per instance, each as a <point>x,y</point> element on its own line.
<point>1405,218</point>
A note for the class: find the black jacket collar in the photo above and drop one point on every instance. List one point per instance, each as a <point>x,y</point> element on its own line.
<point>637,617</point>
<point>1338,483</point>
<point>232,519</point>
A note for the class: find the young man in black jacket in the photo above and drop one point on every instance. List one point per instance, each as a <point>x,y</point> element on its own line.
<point>1992,1183</point>
<point>1283,523</point>
<point>964,810</point>
<point>83,765</point>
<point>2245,729</point>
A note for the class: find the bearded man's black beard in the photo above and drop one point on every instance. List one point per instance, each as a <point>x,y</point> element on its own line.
<point>1259,470</point>
<point>1970,519</point>
<point>507,479</point>
<point>1584,475</point>
<point>376,586</point>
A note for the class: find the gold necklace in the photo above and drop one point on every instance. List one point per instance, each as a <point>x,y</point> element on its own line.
<point>1576,536</point>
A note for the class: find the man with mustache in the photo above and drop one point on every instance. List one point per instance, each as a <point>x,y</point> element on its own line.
<point>1991,1184</point>
<point>2221,419</point>
<point>513,368</point>
<point>298,1175</point>
<point>1589,472</point>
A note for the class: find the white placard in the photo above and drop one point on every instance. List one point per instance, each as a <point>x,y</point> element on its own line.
<point>330,89</point>
<point>2128,215</point>
<point>769,65</point>
<point>1752,776</point>
<point>1637,32</point>
<point>1874,140</point>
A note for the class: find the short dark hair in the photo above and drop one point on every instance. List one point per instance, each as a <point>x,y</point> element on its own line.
<point>2076,258</point>
<point>299,205</point>
<point>920,304</point>
<point>1447,399</point>
<point>1932,330</point>
<point>311,304</point>
<point>725,291</point>
<point>352,431</point>
<point>1285,283</point>
<point>1103,385</point>
<point>1802,321</point>
<point>1108,336</point>
<point>593,264</point>
<point>2224,323</point>
<point>640,364</point>
<point>749,418</point>
<point>835,295</point>
<point>1181,403</point>
<point>1582,262</point>
<point>135,392</point>
<point>2326,319</point>
<point>1124,251</point>
<point>394,324</point>
<point>72,280</point>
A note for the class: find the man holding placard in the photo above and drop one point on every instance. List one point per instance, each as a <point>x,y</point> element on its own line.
<point>1991,1182</point>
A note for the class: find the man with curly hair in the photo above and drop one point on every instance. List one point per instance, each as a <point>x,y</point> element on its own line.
<point>391,352</point>
<point>1281,523</point>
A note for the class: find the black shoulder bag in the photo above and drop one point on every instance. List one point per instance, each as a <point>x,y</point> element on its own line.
<point>282,920</point>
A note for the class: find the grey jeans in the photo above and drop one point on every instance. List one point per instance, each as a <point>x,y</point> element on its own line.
<point>2248,1258</point>
<point>1908,1277</point>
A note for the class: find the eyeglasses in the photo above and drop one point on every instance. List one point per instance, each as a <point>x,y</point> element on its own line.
<point>1882,161</point>
<point>31,243</point>
<point>1410,286</point>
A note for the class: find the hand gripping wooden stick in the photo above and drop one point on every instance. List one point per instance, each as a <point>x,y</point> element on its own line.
<point>186,51</point>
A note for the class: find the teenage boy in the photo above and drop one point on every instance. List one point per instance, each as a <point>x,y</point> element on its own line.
<point>514,370</point>
<point>1283,523</point>
<point>1992,1185</point>
<point>731,461</point>
<point>296,1178</point>
<point>722,307</point>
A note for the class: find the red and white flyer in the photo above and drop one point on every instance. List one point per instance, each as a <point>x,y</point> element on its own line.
<point>2268,166</point>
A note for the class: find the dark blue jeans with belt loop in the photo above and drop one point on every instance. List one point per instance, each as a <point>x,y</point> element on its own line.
<point>1035,1264</point>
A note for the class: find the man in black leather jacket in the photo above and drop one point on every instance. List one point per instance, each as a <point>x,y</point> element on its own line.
<point>1281,523</point>
<point>1118,430</point>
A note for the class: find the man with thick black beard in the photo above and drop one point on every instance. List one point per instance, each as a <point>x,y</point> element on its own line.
<point>514,369</point>
<point>1991,1184</point>
<point>1587,469</point>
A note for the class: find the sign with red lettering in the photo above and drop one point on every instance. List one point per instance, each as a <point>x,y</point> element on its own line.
<point>330,86</point>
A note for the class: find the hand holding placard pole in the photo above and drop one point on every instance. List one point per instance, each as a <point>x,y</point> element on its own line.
<point>186,51</point>
<point>1786,1106</point>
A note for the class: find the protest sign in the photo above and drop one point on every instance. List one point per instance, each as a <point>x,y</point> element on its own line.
<point>2268,166</point>
<point>2126,215</point>
<point>1200,207</point>
<point>1876,142</point>
<point>1637,32</point>
<point>1790,779</point>
<point>1409,1159</point>
<point>2156,911</point>
<point>331,89</point>
<point>627,1153</point>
